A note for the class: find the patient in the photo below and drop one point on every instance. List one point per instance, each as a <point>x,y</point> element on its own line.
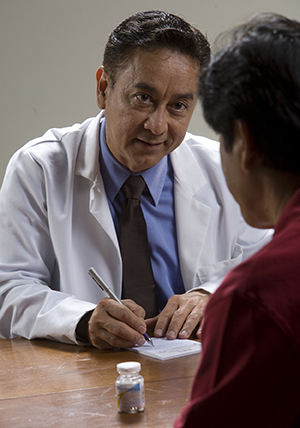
<point>249,375</point>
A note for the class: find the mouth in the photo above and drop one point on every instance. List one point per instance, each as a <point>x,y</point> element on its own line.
<point>149,144</point>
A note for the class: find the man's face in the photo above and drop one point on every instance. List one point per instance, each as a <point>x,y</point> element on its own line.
<point>149,109</point>
<point>243,179</point>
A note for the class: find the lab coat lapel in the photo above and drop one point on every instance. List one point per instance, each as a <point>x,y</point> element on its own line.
<point>192,217</point>
<point>88,167</point>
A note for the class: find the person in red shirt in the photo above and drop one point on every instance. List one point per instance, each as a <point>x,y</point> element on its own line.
<point>249,374</point>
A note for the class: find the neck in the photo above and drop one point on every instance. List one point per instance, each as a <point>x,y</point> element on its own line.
<point>278,188</point>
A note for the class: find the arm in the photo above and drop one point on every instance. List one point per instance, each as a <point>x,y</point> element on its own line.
<point>248,375</point>
<point>32,267</point>
<point>29,307</point>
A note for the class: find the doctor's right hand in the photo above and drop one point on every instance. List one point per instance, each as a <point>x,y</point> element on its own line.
<point>115,325</point>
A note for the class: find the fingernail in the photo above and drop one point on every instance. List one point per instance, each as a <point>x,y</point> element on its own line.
<point>141,342</point>
<point>142,329</point>
<point>184,334</point>
<point>171,334</point>
<point>158,332</point>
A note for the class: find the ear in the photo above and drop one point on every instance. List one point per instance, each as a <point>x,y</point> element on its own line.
<point>102,86</point>
<point>248,152</point>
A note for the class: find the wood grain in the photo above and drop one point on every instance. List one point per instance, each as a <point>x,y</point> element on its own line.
<point>49,384</point>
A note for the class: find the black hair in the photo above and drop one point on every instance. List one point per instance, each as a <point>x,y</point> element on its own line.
<point>256,79</point>
<point>153,30</point>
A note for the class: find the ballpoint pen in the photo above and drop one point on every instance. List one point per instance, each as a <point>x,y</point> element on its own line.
<point>97,278</point>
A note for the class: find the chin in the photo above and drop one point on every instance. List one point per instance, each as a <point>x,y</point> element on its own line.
<point>256,222</point>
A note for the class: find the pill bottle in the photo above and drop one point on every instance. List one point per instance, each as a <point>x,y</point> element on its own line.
<point>130,388</point>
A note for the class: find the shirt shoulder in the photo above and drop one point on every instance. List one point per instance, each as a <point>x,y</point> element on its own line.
<point>56,148</point>
<point>56,135</point>
<point>269,283</point>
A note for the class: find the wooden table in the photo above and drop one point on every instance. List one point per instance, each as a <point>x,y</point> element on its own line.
<point>49,384</point>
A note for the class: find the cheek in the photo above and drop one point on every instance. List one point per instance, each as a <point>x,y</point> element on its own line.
<point>119,125</point>
<point>177,133</point>
<point>130,122</point>
<point>224,164</point>
<point>230,176</point>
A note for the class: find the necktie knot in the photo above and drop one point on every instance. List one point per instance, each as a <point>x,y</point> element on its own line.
<point>134,186</point>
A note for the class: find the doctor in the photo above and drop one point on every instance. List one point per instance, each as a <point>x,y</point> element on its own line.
<point>60,201</point>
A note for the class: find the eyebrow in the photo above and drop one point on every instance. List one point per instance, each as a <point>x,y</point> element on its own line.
<point>145,86</point>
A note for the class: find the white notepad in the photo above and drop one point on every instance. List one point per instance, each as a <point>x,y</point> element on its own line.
<point>165,349</point>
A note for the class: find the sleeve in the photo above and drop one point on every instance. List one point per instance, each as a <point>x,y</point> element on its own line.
<point>248,375</point>
<point>248,242</point>
<point>29,307</point>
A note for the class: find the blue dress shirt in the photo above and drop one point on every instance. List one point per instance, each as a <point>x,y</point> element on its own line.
<point>157,203</point>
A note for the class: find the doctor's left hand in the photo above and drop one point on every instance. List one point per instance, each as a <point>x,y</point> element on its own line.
<point>181,315</point>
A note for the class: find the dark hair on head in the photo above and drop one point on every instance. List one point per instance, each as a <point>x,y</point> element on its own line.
<point>256,79</point>
<point>153,30</point>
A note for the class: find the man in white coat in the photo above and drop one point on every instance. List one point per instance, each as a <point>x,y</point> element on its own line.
<point>60,201</point>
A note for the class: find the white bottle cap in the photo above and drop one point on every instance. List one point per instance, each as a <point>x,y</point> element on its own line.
<point>129,366</point>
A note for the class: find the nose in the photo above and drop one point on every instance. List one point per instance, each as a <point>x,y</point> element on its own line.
<point>157,121</point>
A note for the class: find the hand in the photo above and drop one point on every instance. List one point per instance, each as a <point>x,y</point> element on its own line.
<point>115,325</point>
<point>181,315</point>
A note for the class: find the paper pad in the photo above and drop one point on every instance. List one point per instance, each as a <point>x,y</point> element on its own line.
<point>165,349</point>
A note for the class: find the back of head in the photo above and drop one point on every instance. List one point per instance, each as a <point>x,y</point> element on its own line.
<point>255,78</point>
<point>153,30</point>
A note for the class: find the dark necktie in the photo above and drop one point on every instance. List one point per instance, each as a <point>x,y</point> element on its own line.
<point>138,279</point>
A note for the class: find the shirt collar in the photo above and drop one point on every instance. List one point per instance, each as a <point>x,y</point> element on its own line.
<point>115,174</point>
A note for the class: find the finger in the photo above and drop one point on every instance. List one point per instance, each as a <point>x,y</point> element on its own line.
<point>116,325</point>
<point>189,316</point>
<point>129,313</point>
<point>191,325</point>
<point>135,308</point>
<point>174,315</point>
<point>115,334</point>
<point>107,340</point>
<point>199,330</point>
<point>164,318</point>
<point>181,318</point>
<point>181,314</point>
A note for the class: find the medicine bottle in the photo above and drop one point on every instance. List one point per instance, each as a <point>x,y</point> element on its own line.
<point>130,388</point>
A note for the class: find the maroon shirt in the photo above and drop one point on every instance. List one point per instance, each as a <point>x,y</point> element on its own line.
<point>249,375</point>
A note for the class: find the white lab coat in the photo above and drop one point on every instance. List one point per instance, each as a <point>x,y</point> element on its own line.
<point>55,224</point>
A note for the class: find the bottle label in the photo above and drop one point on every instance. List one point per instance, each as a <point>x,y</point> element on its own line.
<point>130,398</point>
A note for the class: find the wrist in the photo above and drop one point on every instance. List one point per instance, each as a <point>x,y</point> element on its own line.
<point>82,329</point>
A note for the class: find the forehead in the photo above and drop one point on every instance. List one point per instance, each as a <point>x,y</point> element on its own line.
<point>160,67</point>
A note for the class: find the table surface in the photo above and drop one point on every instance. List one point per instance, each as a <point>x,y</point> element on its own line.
<point>50,384</point>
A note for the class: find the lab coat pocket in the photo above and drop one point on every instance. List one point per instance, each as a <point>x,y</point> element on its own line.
<point>217,271</point>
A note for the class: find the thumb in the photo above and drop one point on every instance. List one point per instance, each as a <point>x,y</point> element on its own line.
<point>151,322</point>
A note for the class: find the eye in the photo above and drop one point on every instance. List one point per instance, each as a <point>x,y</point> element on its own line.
<point>179,106</point>
<point>143,97</point>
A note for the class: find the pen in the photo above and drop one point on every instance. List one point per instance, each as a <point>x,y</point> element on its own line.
<point>111,294</point>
